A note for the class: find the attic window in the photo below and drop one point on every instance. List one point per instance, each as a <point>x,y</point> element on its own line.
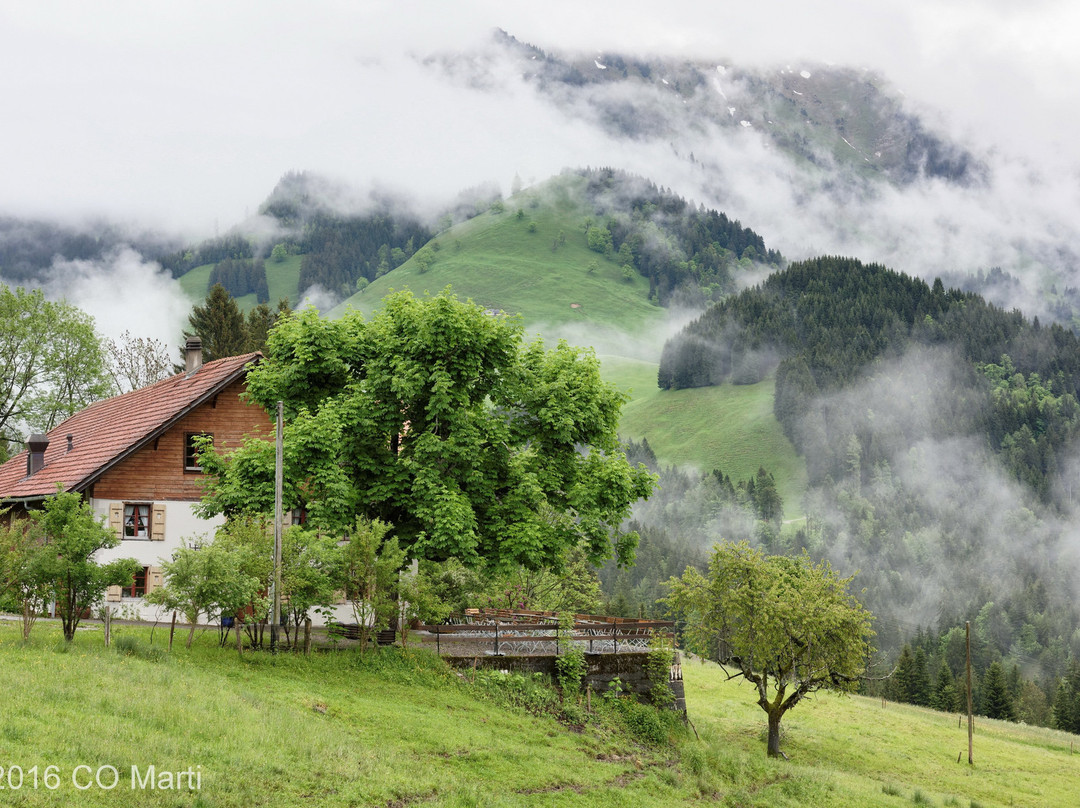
<point>191,459</point>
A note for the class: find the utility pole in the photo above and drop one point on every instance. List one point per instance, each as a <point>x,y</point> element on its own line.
<point>971,720</point>
<point>278,481</point>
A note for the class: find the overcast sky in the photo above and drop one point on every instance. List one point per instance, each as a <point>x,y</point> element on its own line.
<point>184,115</point>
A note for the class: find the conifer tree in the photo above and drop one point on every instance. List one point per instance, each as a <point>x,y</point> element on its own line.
<point>220,324</point>
<point>945,696</point>
<point>920,680</point>
<point>996,700</point>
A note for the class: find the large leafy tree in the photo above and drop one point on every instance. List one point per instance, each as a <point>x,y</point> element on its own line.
<point>51,362</point>
<point>785,624</point>
<point>434,417</point>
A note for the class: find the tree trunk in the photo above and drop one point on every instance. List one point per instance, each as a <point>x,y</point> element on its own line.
<point>774,734</point>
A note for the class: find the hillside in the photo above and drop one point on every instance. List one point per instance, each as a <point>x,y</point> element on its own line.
<point>939,433</point>
<point>395,729</point>
<point>728,427</point>
<point>529,258</point>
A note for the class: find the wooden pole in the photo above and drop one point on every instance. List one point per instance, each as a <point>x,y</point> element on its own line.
<point>108,624</point>
<point>239,636</point>
<point>278,475</point>
<point>307,636</point>
<point>172,631</point>
<point>971,720</point>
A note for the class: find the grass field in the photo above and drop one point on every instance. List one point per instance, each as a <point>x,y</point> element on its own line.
<point>731,427</point>
<point>506,262</point>
<point>281,278</point>
<point>396,729</point>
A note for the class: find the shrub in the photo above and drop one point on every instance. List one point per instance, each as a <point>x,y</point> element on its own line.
<point>658,669</point>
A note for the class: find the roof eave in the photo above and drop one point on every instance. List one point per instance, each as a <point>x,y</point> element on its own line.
<point>84,483</point>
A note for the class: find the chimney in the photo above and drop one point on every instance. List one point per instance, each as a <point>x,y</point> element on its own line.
<point>193,354</point>
<point>71,442</point>
<point>35,458</point>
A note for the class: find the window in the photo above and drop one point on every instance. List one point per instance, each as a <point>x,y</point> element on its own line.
<point>191,460</point>
<point>137,589</point>
<point>137,521</point>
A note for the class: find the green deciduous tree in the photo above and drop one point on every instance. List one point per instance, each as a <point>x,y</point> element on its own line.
<point>435,418</point>
<point>52,363</point>
<point>785,624</point>
<point>371,560</point>
<point>72,535</point>
<point>22,581</point>
<point>212,580</point>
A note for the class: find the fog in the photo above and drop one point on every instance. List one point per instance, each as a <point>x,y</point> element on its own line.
<point>186,116</point>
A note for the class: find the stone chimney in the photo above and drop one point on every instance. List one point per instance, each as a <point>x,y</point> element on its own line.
<point>193,354</point>
<point>35,457</point>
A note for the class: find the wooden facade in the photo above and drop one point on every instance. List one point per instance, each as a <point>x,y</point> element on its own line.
<point>157,472</point>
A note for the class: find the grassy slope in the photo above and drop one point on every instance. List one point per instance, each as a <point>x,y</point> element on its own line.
<point>281,278</point>
<point>731,427</point>
<point>289,731</point>
<point>195,283</point>
<point>494,260</point>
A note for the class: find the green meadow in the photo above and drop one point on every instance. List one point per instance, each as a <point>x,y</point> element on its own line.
<point>395,728</point>
<point>730,427</point>
<point>529,260</point>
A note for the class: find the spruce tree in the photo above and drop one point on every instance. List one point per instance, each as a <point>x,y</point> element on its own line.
<point>945,696</point>
<point>920,680</point>
<point>220,324</point>
<point>902,676</point>
<point>996,699</point>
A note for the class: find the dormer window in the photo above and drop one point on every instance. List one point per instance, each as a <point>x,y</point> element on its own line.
<point>191,458</point>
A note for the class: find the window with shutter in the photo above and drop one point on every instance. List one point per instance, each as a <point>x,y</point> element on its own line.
<point>157,527</point>
<point>137,588</point>
<point>137,520</point>
<point>116,518</point>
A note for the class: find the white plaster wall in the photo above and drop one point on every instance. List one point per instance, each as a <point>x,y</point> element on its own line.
<point>182,526</point>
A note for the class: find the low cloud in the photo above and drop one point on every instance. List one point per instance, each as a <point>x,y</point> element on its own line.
<point>123,292</point>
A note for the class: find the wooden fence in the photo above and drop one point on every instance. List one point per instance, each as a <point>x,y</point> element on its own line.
<point>531,633</point>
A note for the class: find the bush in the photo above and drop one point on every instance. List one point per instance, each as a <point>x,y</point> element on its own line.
<point>645,723</point>
<point>570,665</point>
<point>658,669</point>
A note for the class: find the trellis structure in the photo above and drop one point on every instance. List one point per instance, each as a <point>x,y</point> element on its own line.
<point>523,632</point>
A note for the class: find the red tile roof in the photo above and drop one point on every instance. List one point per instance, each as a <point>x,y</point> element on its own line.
<point>109,430</point>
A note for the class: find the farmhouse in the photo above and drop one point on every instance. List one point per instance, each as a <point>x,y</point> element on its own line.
<point>132,457</point>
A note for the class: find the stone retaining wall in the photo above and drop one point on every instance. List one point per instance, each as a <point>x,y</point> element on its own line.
<point>628,668</point>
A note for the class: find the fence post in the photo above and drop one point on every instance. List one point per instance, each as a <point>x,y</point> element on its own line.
<point>438,648</point>
<point>496,638</point>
